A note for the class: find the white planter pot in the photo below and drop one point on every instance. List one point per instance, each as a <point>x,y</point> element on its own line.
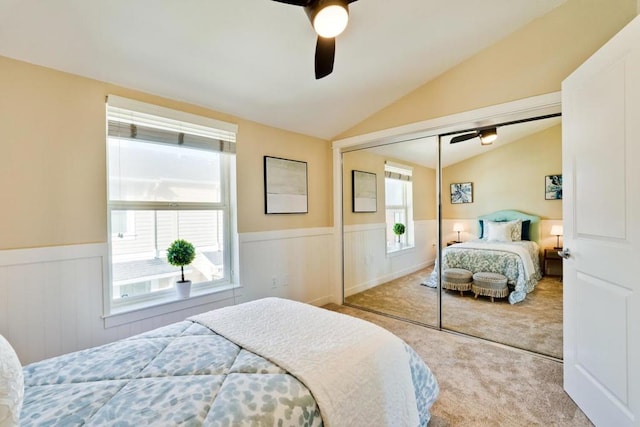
<point>183,288</point>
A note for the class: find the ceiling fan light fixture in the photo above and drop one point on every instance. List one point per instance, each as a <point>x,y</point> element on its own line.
<point>487,136</point>
<point>329,17</point>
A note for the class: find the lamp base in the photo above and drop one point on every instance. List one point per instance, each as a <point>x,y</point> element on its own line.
<point>557,246</point>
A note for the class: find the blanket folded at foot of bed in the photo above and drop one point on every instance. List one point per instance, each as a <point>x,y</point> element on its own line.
<point>357,372</point>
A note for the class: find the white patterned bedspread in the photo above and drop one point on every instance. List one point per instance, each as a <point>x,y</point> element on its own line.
<point>181,374</point>
<point>518,261</point>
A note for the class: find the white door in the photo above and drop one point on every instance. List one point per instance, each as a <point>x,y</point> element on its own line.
<point>601,167</point>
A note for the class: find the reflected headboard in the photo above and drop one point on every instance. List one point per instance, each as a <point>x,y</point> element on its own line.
<point>509,215</point>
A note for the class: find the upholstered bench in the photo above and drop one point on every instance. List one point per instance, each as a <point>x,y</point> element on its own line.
<point>457,279</point>
<point>490,285</point>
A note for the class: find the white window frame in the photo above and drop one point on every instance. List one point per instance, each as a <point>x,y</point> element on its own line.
<point>196,125</point>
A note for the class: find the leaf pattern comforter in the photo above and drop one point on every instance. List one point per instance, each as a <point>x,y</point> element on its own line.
<point>181,374</point>
<point>491,260</point>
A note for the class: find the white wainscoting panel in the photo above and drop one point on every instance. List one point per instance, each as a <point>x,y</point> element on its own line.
<point>367,264</point>
<point>51,301</point>
<point>470,230</point>
<point>294,264</point>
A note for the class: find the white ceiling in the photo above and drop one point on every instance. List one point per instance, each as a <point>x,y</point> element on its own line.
<point>254,58</point>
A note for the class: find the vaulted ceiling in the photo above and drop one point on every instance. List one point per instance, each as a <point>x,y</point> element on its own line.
<point>254,58</point>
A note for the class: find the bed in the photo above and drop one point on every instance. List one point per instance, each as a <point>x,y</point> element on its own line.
<point>507,245</point>
<point>266,362</point>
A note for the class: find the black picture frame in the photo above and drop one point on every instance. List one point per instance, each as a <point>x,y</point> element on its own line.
<point>364,192</point>
<point>285,186</point>
<point>553,187</point>
<point>461,192</point>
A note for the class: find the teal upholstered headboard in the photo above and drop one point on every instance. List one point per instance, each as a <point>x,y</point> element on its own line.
<point>508,215</point>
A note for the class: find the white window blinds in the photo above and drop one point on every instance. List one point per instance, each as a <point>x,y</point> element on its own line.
<point>397,171</point>
<point>134,120</point>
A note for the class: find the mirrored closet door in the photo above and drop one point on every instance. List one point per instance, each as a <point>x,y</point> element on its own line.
<point>390,226</point>
<point>500,201</point>
<point>390,229</point>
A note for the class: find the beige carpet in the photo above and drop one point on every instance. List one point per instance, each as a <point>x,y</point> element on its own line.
<point>534,324</point>
<point>485,384</point>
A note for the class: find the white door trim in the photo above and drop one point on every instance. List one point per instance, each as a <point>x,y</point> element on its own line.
<point>509,111</point>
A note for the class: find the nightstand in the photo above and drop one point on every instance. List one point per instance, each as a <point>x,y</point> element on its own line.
<point>453,242</point>
<point>552,262</point>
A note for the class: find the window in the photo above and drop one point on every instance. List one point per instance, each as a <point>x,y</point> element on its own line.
<point>398,205</point>
<point>123,225</point>
<point>168,178</point>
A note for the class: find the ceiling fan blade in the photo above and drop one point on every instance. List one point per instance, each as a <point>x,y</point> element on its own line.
<point>325,54</point>
<point>302,3</point>
<point>463,137</point>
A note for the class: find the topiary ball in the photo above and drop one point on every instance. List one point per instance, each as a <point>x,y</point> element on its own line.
<point>181,253</point>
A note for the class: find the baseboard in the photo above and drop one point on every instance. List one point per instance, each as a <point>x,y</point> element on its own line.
<point>319,302</point>
<point>386,278</point>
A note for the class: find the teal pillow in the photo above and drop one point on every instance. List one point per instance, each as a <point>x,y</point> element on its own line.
<point>525,229</point>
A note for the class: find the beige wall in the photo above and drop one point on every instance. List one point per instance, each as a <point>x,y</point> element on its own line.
<point>531,61</point>
<point>424,193</point>
<point>53,164</point>
<point>509,177</point>
<point>256,141</point>
<point>424,188</point>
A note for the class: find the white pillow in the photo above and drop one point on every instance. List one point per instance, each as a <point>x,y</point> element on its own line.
<point>11,385</point>
<point>499,231</point>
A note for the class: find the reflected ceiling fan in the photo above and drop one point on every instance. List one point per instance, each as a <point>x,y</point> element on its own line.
<point>329,18</point>
<point>486,135</point>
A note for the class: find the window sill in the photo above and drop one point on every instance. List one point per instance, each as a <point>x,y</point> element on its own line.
<point>398,250</point>
<point>169,304</point>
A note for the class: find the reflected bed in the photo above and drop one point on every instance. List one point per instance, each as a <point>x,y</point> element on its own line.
<point>506,246</point>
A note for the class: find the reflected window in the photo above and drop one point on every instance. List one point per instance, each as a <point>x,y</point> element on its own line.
<point>398,206</point>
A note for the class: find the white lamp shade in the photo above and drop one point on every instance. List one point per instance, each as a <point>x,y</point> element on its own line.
<point>458,227</point>
<point>556,230</point>
<point>488,139</point>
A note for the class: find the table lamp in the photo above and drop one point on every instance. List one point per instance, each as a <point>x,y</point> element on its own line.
<point>556,230</point>
<point>458,227</point>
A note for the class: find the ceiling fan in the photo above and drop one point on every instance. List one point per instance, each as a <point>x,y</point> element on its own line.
<point>486,135</point>
<point>329,18</point>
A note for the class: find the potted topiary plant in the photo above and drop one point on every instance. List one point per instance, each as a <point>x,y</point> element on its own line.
<point>181,253</point>
<point>398,230</point>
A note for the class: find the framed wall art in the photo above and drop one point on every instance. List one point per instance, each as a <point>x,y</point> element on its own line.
<point>364,191</point>
<point>553,187</point>
<point>285,186</point>
<point>462,192</point>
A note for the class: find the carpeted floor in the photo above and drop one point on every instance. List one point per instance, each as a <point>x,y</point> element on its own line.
<point>534,324</point>
<point>485,384</point>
